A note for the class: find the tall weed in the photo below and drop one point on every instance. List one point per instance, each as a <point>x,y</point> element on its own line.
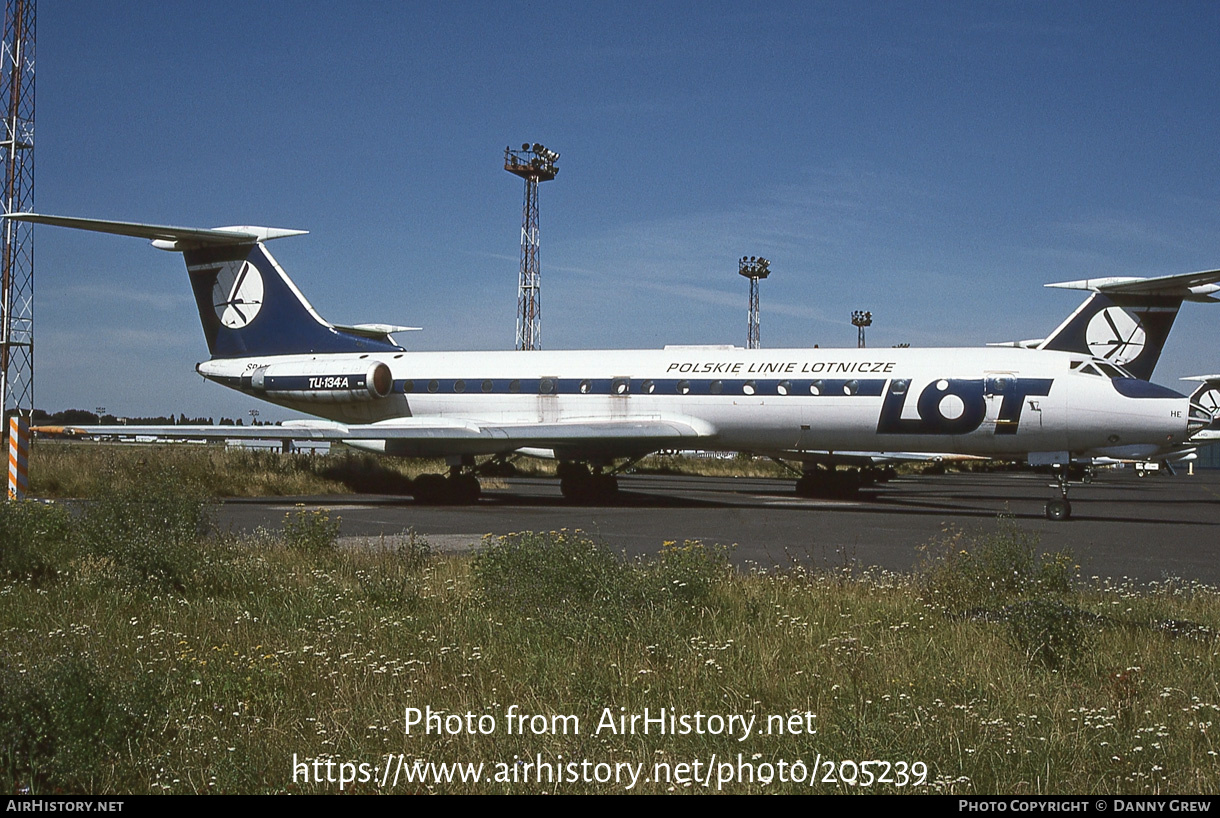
<point>1003,576</point>
<point>35,541</point>
<point>63,725</point>
<point>960,572</point>
<point>151,524</point>
<point>557,573</point>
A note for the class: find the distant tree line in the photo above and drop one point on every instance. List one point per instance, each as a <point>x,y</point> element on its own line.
<point>83,417</point>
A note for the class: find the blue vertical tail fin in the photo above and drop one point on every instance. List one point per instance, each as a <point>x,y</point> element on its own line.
<point>247,303</point>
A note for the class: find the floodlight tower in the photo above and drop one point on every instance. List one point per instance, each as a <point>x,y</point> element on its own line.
<point>754,268</point>
<point>533,163</point>
<point>16,244</point>
<point>861,319</point>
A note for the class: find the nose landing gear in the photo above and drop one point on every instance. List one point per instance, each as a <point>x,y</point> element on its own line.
<point>1059,509</point>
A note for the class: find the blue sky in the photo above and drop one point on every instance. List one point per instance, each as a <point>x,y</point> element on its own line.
<point>935,163</point>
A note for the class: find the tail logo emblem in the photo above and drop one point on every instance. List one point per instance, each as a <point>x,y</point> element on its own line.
<point>1116,335</point>
<point>1210,400</point>
<point>238,294</point>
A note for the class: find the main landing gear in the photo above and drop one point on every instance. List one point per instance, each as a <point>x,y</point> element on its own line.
<point>582,484</point>
<point>1059,509</point>
<point>458,488</point>
<point>831,483</point>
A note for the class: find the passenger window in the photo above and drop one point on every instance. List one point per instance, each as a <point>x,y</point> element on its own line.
<point>683,387</point>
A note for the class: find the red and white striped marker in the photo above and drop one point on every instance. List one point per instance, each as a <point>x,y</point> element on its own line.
<point>18,458</point>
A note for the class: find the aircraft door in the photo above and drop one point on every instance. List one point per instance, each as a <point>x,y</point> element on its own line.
<point>995,386</point>
<point>1012,403</point>
<point>806,437</point>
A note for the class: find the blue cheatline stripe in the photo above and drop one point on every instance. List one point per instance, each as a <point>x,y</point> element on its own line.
<point>345,382</point>
<point>817,387</point>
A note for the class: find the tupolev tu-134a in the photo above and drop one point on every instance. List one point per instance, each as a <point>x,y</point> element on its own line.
<point>1082,392</point>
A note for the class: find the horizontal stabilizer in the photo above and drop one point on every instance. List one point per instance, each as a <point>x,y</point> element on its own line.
<point>379,332</point>
<point>166,237</point>
<point>1032,343</point>
<point>1190,286</point>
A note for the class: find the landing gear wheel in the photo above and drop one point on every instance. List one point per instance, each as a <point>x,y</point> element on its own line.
<point>580,485</point>
<point>455,490</point>
<point>811,484</point>
<point>846,484</point>
<point>429,489</point>
<point>573,488</point>
<point>1058,509</point>
<point>605,486</point>
<point>465,489</point>
<point>829,484</point>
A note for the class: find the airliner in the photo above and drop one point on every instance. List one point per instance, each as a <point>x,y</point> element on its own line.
<point>1081,392</point>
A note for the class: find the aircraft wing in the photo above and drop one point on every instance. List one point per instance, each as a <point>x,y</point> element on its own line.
<point>658,432</point>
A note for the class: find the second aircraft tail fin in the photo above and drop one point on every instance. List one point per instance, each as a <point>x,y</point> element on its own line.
<point>1127,320</point>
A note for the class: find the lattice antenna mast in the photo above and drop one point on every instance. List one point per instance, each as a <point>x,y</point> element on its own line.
<point>533,163</point>
<point>17,189</point>
<point>754,268</point>
<point>16,240</point>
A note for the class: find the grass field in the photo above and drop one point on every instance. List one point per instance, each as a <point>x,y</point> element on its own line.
<point>146,653</point>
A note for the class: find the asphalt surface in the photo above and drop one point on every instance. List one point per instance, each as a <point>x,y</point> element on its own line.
<point>1121,527</point>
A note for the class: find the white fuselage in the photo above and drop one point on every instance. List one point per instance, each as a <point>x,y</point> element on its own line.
<point>994,402</point>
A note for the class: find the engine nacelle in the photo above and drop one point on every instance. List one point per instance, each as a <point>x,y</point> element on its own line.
<point>324,381</point>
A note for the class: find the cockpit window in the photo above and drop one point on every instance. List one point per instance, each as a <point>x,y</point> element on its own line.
<point>1103,369</point>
